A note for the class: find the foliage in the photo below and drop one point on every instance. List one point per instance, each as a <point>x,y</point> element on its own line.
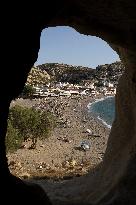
<point>13,138</point>
<point>28,91</point>
<point>29,123</point>
<point>98,84</point>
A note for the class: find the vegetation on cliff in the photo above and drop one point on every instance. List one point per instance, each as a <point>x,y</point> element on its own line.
<point>66,73</point>
<point>55,72</point>
<point>109,72</point>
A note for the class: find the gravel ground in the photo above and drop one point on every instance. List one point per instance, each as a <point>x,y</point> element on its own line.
<point>61,155</point>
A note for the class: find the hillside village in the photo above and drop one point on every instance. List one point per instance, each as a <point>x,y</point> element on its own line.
<point>53,79</point>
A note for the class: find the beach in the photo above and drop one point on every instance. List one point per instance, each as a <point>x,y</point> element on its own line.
<point>61,155</point>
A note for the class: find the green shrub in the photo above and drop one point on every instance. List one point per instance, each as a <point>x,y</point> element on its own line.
<point>29,123</point>
<point>13,138</point>
<point>27,92</point>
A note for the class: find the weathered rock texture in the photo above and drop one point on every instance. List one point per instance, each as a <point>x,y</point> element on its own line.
<point>113,21</point>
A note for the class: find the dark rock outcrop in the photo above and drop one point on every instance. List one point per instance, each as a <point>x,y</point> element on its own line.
<point>19,192</point>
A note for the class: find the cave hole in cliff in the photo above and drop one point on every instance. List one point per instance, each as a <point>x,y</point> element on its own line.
<point>72,140</point>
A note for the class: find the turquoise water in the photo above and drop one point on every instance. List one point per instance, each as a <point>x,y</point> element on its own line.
<point>104,110</point>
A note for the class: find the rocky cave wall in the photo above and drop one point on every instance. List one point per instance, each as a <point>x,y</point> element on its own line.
<point>113,21</point>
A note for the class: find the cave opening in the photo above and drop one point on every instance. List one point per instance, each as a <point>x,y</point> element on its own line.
<point>114,183</point>
<point>63,87</point>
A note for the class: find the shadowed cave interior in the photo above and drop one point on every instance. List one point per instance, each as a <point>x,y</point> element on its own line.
<point>114,184</point>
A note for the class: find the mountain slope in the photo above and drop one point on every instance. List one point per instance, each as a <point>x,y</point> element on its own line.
<point>55,72</point>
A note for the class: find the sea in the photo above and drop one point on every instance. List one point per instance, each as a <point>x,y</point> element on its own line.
<point>104,110</point>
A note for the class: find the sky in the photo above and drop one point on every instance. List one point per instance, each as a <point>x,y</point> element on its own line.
<point>63,44</point>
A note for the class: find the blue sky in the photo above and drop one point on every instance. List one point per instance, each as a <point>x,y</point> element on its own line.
<point>65,45</point>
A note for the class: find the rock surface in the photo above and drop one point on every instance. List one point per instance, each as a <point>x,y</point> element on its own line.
<point>114,182</point>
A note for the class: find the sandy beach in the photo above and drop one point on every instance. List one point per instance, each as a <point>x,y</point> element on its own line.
<point>60,155</point>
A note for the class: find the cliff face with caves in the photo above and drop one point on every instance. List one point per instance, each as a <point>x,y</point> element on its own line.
<point>115,182</point>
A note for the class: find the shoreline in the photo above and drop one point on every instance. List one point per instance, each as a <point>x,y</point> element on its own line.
<point>97,117</point>
<point>60,155</point>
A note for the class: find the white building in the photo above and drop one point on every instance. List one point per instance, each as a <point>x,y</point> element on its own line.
<point>110,85</point>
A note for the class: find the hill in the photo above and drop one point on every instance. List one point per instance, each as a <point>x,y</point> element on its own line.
<point>67,73</point>
<point>109,72</point>
<point>55,72</point>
